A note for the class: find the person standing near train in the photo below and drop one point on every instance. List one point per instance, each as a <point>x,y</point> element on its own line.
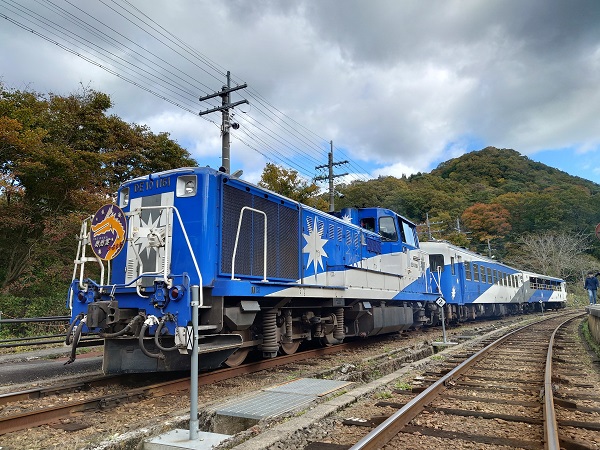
<point>591,285</point>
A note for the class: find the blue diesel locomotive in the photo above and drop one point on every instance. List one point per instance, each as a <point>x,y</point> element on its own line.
<point>265,273</point>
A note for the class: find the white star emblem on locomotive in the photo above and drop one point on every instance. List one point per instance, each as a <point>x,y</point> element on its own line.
<point>314,244</point>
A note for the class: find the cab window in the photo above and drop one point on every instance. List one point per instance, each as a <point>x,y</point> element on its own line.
<point>368,223</point>
<point>408,233</point>
<point>435,261</point>
<point>387,228</point>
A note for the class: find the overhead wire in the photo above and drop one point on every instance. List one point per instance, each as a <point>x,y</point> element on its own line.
<point>215,66</point>
<point>205,59</point>
<point>78,46</point>
<point>285,140</point>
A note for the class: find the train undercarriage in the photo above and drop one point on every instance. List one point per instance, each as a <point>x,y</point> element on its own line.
<point>231,328</point>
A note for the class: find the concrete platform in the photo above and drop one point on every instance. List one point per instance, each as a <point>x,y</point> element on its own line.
<point>280,399</point>
<point>594,321</point>
<point>180,439</point>
<point>245,412</point>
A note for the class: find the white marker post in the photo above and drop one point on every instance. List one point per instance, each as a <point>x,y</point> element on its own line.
<point>441,303</point>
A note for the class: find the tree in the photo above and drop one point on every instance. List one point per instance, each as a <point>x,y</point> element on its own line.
<point>553,253</point>
<point>61,157</point>
<point>487,221</point>
<point>290,184</point>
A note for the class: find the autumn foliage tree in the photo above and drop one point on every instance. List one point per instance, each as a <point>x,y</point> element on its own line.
<point>61,157</point>
<point>487,221</point>
<point>289,183</point>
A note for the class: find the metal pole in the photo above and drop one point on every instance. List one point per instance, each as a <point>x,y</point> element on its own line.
<point>225,126</point>
<point>331,191</point>
<point>330,176</point>
<point>439,272</point>
<point>444,326</point>
<point>428,226</point>
<point>194,423</point>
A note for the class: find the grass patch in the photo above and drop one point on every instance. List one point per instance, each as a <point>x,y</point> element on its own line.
<point>587,335</point>
<point>383,395</point>
<point>402,386</point>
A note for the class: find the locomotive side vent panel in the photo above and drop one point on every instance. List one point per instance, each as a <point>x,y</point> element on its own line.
<point>282,236</point>
<point>284,255</point>
<point>233,201</point>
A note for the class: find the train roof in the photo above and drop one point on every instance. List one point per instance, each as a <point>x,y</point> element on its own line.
<point>378,211</point>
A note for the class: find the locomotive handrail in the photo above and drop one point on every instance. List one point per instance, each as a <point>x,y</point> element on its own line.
<point>237,236</point>
<point>81,259</point>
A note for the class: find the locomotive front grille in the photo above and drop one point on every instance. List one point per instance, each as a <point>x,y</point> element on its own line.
<point>282,236</point>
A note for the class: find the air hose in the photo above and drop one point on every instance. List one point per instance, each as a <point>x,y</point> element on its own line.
<point>69,337</point>
<point>168,317</point>
<point>150,320</point>
<point>76,336</point>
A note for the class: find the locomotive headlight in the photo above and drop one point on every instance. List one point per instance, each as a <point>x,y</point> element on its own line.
<point>124,198</point>
<point>187,186</point>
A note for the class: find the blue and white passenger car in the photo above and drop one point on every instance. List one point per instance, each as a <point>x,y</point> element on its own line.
<point>475,286</point>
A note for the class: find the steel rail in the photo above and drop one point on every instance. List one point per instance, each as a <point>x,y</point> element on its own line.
<point>91,342</point>
<point>386,431</point>
<point>551,440</point>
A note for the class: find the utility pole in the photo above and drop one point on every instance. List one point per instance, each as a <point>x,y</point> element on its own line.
<point>331,176</point>
<point>225,124</point>
<point>428,226</point>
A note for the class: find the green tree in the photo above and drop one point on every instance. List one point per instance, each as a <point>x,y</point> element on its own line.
<point>61,157</point>
<point>289,184</point>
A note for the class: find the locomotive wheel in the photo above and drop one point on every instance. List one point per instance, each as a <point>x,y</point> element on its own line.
<point>237,357</point>
<point>289,348</point>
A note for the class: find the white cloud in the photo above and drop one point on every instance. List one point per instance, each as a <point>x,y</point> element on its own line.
<point>401,86</point>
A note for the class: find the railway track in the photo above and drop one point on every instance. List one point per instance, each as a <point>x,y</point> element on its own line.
<point>523,390</point>
<point>150,395</point>
<point>10,422</point>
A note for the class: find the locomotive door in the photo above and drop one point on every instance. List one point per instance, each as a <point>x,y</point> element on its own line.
<point>150,237</point>
<point>460,280</point>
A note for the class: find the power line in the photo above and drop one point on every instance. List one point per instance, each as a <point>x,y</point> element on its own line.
<point>286,140</point>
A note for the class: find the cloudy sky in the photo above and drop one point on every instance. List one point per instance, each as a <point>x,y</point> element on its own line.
<point>398,86</point>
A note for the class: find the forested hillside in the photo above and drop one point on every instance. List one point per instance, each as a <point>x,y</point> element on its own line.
<point>491,201</point>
